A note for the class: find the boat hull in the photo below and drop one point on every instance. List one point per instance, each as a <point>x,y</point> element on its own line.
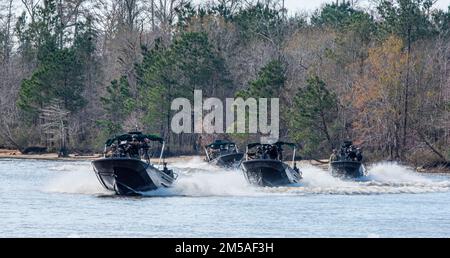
<point>271,173</point>
<point>232,160</point>
<point>347,169</point>
<point>127,176</point>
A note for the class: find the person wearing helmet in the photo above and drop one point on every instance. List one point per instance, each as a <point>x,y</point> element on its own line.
<point>133,147</point>
<point>359,156</point>
<point>334,156</point>
<point>145,148</point>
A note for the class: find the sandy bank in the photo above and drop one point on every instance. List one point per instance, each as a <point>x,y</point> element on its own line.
<point>15,154</point>
<point>47,156</point>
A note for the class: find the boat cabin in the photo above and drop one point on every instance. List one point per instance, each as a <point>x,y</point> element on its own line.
<point>347,152</point>
<point>132,145</point>
<point>268,151</point>
<point>219,148</point>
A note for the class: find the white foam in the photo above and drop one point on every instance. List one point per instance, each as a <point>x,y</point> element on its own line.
<point>383,178</point>
<point>198,178</point>
<point>194,165</point>
<point>390,172</point>
<point>69,167</point>
<point>214,183</point>
<point>75,178</point>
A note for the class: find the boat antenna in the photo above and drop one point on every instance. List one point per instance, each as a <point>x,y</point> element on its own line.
<point>207,154</point>
<point>162,153</point>
<point>293,158</point>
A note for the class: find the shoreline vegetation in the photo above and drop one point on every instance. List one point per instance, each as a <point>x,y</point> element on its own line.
<point>323,164</point>
<point>74,73</point>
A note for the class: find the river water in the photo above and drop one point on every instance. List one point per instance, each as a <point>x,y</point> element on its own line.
<point>64,199</point>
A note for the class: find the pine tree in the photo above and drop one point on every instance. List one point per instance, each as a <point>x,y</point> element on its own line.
<point>268,84</point>
<point>313,115</point>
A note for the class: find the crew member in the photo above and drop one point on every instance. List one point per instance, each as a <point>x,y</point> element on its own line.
<point>145,147</point>
<point>133,147</point>
<point>272,152</point>
<point>112,152</point>
<point>352,153</point>
<point>359,156</point>
<point>334,156</point>
<point>214,152</point>
<point>280,153</point>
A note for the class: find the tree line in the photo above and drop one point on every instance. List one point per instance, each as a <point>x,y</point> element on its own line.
<point>74,72</point>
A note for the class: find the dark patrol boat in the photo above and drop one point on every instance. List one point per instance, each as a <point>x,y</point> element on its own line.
<point>126,168</point>
<point>223,154</point>
<point>264,165</point>
<point>347,162</point>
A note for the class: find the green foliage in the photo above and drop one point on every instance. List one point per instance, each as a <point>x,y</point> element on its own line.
<point>61,71</point>
<point>109,128</point>
<point>200,66</point>
<point>224,10</point>
<point>41,33</point>
<point>344,18</point>
<point>260,21</point>
<point>269,83</point>
<point>156,82</point>
<point>58,76</point>
<point>354,31</point>
<point>441,21</point>
<point>184,14</point>
<point>84,42</point>
<point>335,15</point>
<point>409,19</point>
<point>313,114</point>
<point>25,40</point>
<point>363,25</point>
<point>336,41</point>
<point>118,102</point>
<point>189,63</point>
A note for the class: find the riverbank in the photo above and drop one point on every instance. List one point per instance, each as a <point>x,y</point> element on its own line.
<point>15,154</point>
<point>436,170</point>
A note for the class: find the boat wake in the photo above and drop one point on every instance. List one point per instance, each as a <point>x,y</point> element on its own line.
<point>74,178</point>
<point>383,178</point>
<point>199,179</point>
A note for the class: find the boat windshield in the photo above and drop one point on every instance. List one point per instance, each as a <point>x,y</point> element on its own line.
<point>347,152</point>
<point>220,147</point>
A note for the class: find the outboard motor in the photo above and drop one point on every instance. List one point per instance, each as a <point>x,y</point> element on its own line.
<point>296,168</point>
<point>166,170</point>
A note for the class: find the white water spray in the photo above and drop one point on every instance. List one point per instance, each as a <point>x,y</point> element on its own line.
<point>198,178</point>
<point>75,178</point>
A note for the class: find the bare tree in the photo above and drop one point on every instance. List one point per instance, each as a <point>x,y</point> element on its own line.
<point>7,32</point>
<point>31,6</point>
<point>54,125</point>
